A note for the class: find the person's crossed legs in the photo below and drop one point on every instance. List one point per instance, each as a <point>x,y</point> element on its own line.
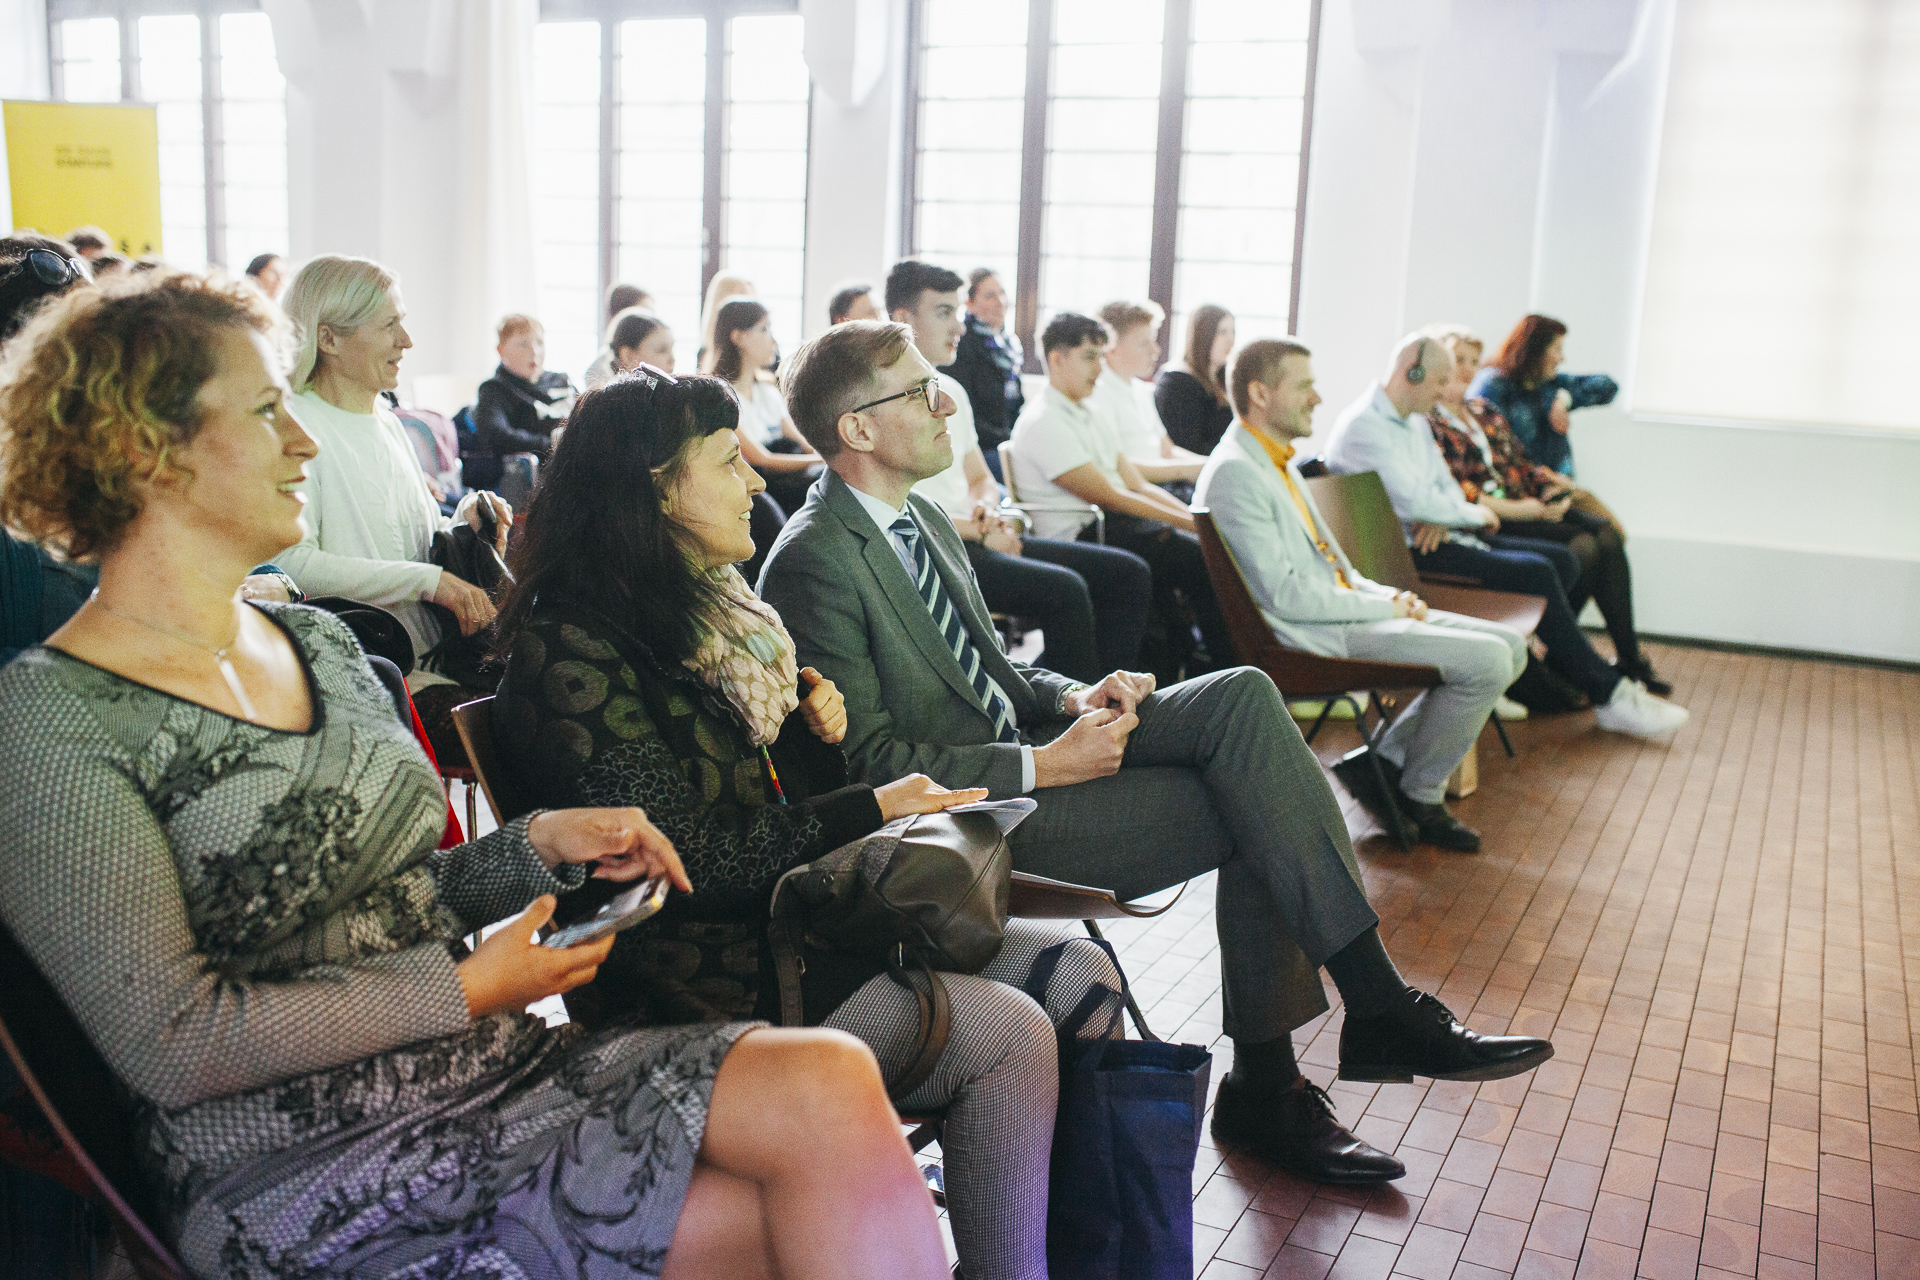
<point>1217,776</point>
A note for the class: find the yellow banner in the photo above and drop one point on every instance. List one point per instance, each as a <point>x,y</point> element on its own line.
<point>74,164</point>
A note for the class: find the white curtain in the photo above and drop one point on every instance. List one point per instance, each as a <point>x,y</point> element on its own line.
<point>1786,227</point>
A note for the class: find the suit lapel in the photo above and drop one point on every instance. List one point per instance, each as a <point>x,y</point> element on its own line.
<point>884,562</point>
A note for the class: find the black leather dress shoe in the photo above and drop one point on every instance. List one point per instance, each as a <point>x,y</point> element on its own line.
<point>1422,1038</point>
<point>1439,828</point>
<point>1297,1130</point>
<point>1357,776</point>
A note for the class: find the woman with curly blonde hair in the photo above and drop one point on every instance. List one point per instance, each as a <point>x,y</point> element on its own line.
<point>221,856</point>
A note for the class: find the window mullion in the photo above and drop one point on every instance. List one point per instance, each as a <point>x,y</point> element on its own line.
<point>129,55</point>
<point>1033,171</point>
<point>213,146</point>
<point>713,195</point>
<point>609,161</point>
<point>909,127</point>
<point>1306,141</point>
<point>1175,47</point>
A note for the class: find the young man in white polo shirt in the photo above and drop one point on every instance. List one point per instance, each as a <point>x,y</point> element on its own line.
<point>1125,392</point>
<point>1065,451</point>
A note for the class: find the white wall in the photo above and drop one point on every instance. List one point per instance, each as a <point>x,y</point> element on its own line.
<point>1477,160</point>
<point>406,143</point>
<point>23,73</point>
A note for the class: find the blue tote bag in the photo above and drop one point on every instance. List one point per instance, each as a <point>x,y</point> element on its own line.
<point>1120,1190</point>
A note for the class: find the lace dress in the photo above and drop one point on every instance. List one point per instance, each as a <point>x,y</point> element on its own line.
<point>254,928</point>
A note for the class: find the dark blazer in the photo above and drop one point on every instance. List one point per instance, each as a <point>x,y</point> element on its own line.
<point>511,416</point>
<point>987,367</point>
<point>854,613</point>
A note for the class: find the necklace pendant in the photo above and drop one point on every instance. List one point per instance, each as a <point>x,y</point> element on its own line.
<point>232,678</point>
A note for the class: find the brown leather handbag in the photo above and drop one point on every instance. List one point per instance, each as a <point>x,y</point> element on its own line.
<point>926,893</point>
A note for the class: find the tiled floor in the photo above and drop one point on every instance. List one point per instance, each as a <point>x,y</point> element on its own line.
<point>1721,937</point>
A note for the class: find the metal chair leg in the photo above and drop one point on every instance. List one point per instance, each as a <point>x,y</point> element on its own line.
<point>1395,821</point>
<point>473,809</point>
<point>1326,709</point>
<point>1501,729</point>
<point>1133,1006</point>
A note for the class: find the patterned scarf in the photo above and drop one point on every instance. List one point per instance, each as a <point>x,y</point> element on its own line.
<point>746,654</point>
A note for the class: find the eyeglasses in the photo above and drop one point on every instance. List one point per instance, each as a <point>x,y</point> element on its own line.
<point>926,391</point>
<point>55,271</point>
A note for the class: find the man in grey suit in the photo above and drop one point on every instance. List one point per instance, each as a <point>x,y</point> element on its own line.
<point>1138,789</point>
<point>1315,600</point>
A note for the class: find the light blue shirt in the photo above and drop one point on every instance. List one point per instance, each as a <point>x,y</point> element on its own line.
<point>1371,435</point>
<point>883,515</point>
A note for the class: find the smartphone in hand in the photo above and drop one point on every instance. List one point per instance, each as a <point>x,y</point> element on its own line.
<point>622,911</point>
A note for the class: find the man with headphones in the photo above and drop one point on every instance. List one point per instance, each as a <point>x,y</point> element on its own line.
<point>1383,432</point>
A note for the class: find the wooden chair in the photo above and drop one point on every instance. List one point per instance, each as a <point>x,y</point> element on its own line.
<point>1362,521</point>
<point>1299,674</point>
<point>91,1151</point>
<point>1013,498</point>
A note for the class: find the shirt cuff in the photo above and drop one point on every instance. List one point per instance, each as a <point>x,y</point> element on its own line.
<point>1026,770</point>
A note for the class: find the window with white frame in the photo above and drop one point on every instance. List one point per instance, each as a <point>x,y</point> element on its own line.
<point>682,126</point>
<point>1169,172</point>
<point>212,74</point>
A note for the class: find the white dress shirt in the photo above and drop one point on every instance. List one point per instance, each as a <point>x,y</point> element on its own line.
<point>1371,435</point>
<point>883,515</point>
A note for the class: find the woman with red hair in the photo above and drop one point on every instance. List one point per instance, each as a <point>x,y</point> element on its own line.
<point>1523,381</point>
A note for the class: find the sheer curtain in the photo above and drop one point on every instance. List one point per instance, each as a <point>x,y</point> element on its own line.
<point>1783,261</point>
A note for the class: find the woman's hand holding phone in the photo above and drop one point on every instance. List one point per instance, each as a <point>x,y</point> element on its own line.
<point>510,970</point>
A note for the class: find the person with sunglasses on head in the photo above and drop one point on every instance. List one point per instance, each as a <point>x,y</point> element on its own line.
<point>1138,788</point>
<point>38,591</point>
<point>641,670</point>
<point>221,857</point>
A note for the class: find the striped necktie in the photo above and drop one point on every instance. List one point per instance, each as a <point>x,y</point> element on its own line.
<point>934,592</point>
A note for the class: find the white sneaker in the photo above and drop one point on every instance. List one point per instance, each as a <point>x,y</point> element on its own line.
<point>1632,710</point>
<point>1507,709</point>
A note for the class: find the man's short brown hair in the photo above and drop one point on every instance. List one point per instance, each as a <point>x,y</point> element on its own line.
<point>1259,361</point>
<point>837,370</point>
<point>1123,316</point>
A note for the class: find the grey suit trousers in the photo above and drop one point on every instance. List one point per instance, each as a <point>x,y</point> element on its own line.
<point>1217,776</point>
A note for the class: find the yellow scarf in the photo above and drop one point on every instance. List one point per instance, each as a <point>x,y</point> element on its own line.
<point>1282,454</point>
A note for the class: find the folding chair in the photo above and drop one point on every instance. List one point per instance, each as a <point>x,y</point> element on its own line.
<point>91,1150</point>
<point>1013,499</point>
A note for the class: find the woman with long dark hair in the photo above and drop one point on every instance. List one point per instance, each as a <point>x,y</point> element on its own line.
<point>1192,398</point>
<point>1523,381</point>
<point>643,671</point>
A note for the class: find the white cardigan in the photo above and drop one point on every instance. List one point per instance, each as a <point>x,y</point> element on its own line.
<point>370,520</point>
